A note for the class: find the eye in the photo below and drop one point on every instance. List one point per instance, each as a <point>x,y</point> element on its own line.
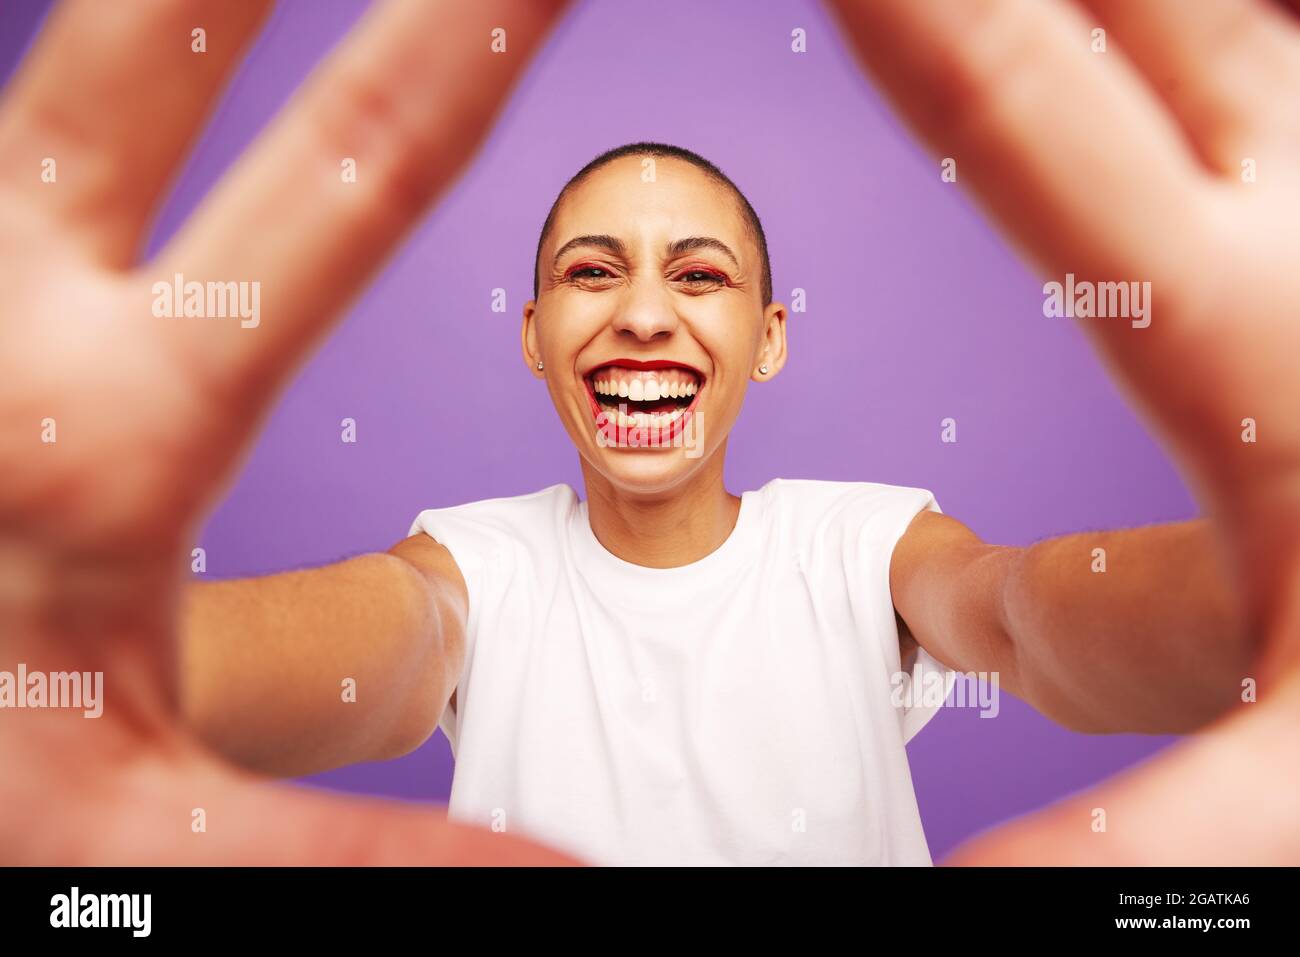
<point>701,277</point>
<point>589,272</point>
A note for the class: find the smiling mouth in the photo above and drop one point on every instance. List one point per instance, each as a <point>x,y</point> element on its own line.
<point>636,397</point>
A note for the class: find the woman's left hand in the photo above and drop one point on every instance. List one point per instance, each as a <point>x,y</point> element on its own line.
<point>1152,142</point>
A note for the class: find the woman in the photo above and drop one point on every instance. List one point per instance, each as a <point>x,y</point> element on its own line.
<point>667,672</point>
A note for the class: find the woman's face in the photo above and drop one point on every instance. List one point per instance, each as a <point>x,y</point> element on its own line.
<point>650,321</point>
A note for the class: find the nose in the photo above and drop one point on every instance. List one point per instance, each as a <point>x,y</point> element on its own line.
<point>647,312</point>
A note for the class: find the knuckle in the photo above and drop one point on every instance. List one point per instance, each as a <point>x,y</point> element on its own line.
<point>363,117</point>
<point>994,72</point>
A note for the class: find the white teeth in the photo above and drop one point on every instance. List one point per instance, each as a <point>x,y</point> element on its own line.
<point>643,420</point>
<point>670,384</point>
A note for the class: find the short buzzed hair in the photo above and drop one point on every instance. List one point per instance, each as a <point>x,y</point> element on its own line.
<point>752,222</point>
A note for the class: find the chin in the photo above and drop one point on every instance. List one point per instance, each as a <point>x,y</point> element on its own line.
<point>638,471</point>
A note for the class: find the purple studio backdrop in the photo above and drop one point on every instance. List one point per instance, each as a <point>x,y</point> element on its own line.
<point>916,311</point>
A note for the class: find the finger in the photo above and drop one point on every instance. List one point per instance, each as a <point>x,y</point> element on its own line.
<point>279,825</point>
<point>194,811</point>
<point>1223,797</point>
<point>113,93</point>
<point>1220,65</point>
<point>326,193</point>
<point>1069,149</point>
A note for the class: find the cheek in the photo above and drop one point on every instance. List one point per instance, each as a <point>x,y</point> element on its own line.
<point>573,318</point>
<point>729,331</point>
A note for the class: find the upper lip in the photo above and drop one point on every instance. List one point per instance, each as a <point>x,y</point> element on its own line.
<point>646,365</point>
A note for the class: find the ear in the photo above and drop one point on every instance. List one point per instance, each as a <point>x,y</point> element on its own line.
<point>528,339</point>
<point>772,350</point>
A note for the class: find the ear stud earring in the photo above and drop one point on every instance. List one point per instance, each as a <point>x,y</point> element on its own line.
<point>762,370</point>
<point>539,364</point>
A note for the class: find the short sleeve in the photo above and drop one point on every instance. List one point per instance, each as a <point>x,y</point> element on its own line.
<point>918,693</point>
<point>452,531</point>
<point>499,544</point>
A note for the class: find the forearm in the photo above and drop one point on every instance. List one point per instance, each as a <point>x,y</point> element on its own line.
<point>1153,643</point>
<point>305,671</point>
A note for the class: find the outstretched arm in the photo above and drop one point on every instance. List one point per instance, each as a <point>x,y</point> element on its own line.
<point>1131,630</point>
<point>305,671</point>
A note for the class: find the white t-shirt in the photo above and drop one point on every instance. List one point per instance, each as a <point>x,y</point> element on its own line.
<point>744,709</point>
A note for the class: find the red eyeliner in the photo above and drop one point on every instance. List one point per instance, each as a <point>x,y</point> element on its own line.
<point>581,266</point>
<point>708,271</point>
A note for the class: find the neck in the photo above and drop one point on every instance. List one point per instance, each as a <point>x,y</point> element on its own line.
<point>664,529</point>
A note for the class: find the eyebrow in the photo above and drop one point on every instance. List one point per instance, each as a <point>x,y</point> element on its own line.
<point>683,246</point>
<point>677,247</point>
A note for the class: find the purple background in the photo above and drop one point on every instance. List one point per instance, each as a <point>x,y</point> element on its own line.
<point>916,311</point>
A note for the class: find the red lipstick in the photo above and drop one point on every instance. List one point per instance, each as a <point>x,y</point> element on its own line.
<point>632,436</point>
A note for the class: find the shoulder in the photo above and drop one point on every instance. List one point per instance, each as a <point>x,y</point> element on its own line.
<point>865,508</point>
<point>536,515</point>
